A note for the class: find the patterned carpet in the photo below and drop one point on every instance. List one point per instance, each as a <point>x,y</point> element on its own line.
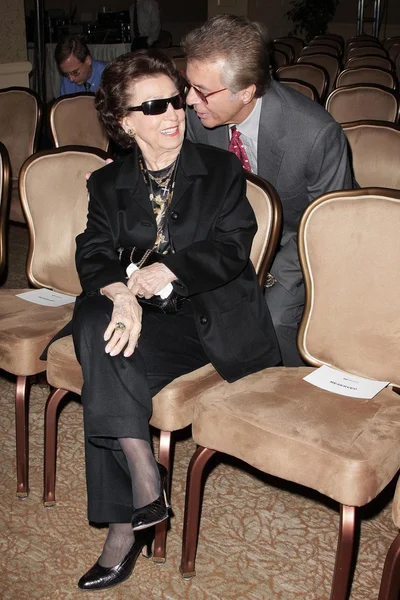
<point>261,538</point>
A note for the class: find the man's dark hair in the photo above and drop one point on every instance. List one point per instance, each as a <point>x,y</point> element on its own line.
<point>242,46</point>
<point>70,44</point>
<point>118,83</point>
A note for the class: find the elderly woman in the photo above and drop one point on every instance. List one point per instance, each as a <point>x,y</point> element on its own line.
<point>179,212</point>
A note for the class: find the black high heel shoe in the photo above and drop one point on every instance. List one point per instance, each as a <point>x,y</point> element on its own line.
<point>100,578</point>
<point>156,511</point>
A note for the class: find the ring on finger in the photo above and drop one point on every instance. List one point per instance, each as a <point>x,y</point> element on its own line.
<point>120,326</point>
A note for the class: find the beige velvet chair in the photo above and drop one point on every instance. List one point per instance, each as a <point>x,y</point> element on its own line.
<point>330,63</point>
<point>375,153</point>
<point>390,583</point>
<point>73,121</point>
<point>363,101</point>
<point>304,88</point>
<point>328,41</point>
<point>5,191</point>
<point>369,60</point>
<point>388,42</point>
<point>288,50</point>
<point>345,448</point>
<point>361,50</point>
<point>366,75</point>
<point>320,49</point>
<point>362,39</point>
<point>20,122</point>
<point>173,406</point>
<point>278,58</point>
<point>314,75</point>
<point>54,199</point>
<point>294,42</point>
<point>329,36</point>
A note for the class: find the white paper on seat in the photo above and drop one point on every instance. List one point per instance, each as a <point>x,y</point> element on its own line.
<point>46,297</point>
<point>345,384</point>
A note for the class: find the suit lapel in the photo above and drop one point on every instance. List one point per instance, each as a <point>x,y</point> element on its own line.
<point>272,130</point>
<point>131,182</point>
<point>190,166</point>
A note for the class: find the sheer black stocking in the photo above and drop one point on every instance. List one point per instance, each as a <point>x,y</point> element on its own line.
<point>119,541</point>
<point>143,469</point>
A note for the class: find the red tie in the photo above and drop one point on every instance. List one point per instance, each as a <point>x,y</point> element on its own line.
<point>237,147</point>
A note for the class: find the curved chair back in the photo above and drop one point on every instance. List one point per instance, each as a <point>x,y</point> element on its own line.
<point>330,63</point>
<point>366,75</point>
<point>288,50</point>
<point>362,102</point>
<point>388,42</point>
<point>55,201</point>
<point>329,36</point>
<point>74,121</point>
<point>20,122</point>
<point>361,50</point>
<point>369,60</point>
<point>327,41</point>
<point>278,59</point>
<point>394,51</point>
<point>294,42</point>
<point>267,208</point>
<point>5,193</point>
<point>362,39</point>
<point>375,151</point>
<point>315,75</point>
<point>180,64</point>
<point>320,49</point>
<point>304,88</point>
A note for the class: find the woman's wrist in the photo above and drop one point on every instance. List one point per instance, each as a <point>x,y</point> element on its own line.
<point>113,290</point>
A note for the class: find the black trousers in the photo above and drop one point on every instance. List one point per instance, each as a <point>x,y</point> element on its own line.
<point>117,394</point>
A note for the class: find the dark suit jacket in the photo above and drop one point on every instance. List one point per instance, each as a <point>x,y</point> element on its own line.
<point>301,150</point>
<point>211,226</point>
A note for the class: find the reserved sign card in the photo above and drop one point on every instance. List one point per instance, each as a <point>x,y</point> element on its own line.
<point>345,384</point>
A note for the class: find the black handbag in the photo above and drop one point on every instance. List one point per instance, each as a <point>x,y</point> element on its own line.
<point>170,305</point>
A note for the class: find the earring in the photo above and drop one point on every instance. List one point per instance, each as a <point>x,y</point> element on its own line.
<point>130,132</point>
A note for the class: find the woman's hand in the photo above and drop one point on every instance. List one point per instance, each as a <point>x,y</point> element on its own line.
<point>127,311</point>
<point>150,280</point>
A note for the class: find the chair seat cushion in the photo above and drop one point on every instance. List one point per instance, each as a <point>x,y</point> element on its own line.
<point>172,407</point>
<point>345,448</point>
<point>25,330</point>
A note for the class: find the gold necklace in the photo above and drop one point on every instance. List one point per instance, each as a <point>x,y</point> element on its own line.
<point>163,180</point>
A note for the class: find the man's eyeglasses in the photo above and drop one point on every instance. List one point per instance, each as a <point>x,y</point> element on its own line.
<point>74,73</point>
<point>203,97</point>
<point>159,106</point>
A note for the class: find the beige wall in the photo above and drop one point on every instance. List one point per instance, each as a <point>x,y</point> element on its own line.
<point>14,68</point>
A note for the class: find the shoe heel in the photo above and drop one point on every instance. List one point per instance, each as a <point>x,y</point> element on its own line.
<point>147,550</point>
<point>167,502</point>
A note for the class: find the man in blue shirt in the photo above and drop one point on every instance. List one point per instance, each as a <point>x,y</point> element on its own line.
<point>81,73</point>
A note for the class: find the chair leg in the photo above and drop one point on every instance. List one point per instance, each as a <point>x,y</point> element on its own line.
<point>164,458</point>
<point>344,553</point>
<point>22,434</point>
<point>390,583</point>
<point>50,445</point>
<point>191,517</point>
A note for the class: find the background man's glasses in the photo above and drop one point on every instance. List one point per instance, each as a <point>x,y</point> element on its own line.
<point>72,73</point>
<point>159,106</point>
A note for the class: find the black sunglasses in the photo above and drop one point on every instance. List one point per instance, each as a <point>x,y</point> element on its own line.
<point>159,106</point>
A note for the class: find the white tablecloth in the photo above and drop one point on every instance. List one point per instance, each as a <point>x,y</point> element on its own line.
<point>99,51</point>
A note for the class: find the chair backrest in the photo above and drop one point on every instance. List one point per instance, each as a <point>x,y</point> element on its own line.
<point>320,49</point>
<point>328,41</point>
<point>20,121</point>
<point>369,61</point>
<point>55,201</point>
<point>267,208</point>
<point>388,42</point>
<point>394,51</point>
<point>74,121</point>
<point>349,245</point>
<point>375,152</point>
<point>315,75</point>
<point>363,38</point>
<point>370,50</point>
<point>366,75</point>
<point>361,102</point>
<point>330,63</point>
<point>300,86</point>
<point>294,42</point>
<point>329,36</point>
<point>288,50</point>
<point>180,64</point>
<point>5,194</point>
<point>278,58</point>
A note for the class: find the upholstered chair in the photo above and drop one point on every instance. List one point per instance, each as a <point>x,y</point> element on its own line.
<point>390,583</point>
<point>330,63</point>
<point>294,42</point>
<point>278,58</point>
<point>20,123</point>
<point>345,448</point>
<point>288,50</point>
<point>366,75</point>
<point>363,38</point>
<point>375,152</point>
<point>369,60</point>
<point>5,192</point>
<point>54,199</point>
<point>328,41</point>
<point>320,49</point>
<point>300,86</point>
<point>362,50</point>
<point>361,102</point>
<point>74,121</point>
<point>180,64</point>
<point>314,75</point>
<point>173,406</point>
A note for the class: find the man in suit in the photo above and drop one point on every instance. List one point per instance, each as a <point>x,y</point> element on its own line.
<point>285,138</point>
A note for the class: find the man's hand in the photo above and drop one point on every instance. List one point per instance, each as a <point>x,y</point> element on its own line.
<point>150,280</point>
<point>88,174</point>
